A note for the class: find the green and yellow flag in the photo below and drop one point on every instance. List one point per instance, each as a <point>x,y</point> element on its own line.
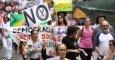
<point>16,20</point>
<point>62,5</point>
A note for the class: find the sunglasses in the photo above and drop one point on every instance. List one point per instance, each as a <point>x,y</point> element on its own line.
<point>110,44</point>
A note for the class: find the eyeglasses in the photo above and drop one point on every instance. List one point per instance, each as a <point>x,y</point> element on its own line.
<point>62,50</point>
<point>105,25</point>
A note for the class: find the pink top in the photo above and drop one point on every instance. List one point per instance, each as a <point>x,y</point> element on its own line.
<point>86,38</point>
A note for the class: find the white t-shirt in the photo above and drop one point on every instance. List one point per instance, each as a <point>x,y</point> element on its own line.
<point>104,41</point>
<point>7,42</point>
<point>34,54</point>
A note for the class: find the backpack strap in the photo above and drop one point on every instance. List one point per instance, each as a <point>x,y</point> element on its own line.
<point>81,31</point>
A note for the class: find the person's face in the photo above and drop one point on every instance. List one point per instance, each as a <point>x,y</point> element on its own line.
<point>13,9</point>
<point>7,3</point>
<point>5,19</point>
<point>105,27</point>
<point>61,51</point>
<point>61,14</point>
<point>60,19</point>
<point>101,19</point>
<point>20,11</point>
<point>12,4</point>
<point>87,22</point>
<point>35,35</point>
<point>111,46</point>
<point>70,16</point>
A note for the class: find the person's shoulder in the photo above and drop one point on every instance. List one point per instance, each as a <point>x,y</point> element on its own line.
<point>98,34</point>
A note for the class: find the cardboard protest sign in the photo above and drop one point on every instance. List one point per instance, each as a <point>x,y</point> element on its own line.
<point>79,14</point>
<point>52,35</point>
<point>37,14</point>
<point>62,5</point>
<point>59,32</point>
<point>23,34</point>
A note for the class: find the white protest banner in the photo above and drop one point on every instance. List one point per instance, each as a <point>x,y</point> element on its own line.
<point>60,32</point>
<point>50,48</point>
<point>23,33</point>
<point>19,33</point>
<point>52,35</point>
<point>45,33</point>
<point>37,2</point>
<point>37,14</point>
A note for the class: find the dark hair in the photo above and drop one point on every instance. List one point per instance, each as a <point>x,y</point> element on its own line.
<point>85,19</point>
<point>113,42</point>
<point>21,42</point>
<point>64,13</point>
<point>64,21</point>
<point>33,31</point>
<point>71,30</point>
<point>99,16</point>
<point>5,17</point>
<point>49,22</point>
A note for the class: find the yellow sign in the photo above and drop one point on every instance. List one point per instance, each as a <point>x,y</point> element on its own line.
<point>79,13</point>
<point>62,5</point>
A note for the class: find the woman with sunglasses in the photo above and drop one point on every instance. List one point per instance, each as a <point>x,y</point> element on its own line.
<point>111,53</point>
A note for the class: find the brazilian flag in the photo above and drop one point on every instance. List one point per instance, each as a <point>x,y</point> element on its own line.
<point>16,20</point>
<point>19,20</point>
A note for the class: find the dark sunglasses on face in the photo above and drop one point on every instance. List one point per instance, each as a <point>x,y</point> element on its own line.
<point>110,44</point>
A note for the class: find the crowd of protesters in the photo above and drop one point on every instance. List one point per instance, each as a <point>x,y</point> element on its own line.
<point>78,42</point>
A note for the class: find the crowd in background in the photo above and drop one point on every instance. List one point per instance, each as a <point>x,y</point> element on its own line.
<point>78,41</point>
